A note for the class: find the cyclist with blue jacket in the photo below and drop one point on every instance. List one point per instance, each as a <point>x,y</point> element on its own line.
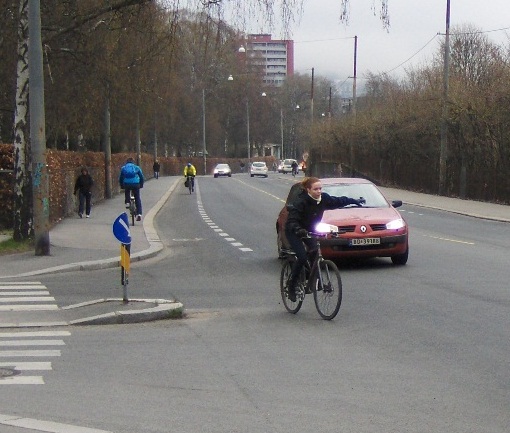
<point>131,179</point>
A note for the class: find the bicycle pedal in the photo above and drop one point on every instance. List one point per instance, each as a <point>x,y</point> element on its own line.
<point>300,294</point>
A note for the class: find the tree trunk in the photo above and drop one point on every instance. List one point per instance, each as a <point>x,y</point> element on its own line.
<point>23,212</point>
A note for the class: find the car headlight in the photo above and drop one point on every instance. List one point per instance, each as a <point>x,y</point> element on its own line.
<point>396,224</point>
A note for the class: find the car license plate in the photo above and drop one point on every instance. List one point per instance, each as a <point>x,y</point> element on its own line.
<point>365,241</point>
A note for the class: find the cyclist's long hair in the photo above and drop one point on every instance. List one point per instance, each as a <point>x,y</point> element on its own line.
<point>307,182</point>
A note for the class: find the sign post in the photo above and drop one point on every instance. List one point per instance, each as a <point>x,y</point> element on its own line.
<point>122,233</point>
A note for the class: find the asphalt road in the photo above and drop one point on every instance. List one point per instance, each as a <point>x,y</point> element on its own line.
<point>420,348</point>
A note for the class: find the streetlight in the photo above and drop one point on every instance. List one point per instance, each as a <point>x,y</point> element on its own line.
<point>231,78</point>
<point>281,127</point>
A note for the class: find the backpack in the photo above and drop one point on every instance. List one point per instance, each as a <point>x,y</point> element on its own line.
<point>129,171</point>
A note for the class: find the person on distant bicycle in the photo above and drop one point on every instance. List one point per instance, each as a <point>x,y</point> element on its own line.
<point>131,179</point>
<point>305,212</point>
<point>294,167</point>
<point>190,170</point>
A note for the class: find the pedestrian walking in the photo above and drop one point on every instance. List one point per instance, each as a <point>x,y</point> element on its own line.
<point>155,168</point>
<point>83,186</point>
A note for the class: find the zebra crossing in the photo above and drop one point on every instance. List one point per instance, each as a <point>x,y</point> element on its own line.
<point>25,354</point>
<point>25,296</point>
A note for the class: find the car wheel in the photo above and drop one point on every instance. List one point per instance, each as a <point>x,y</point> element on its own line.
<point>265,175</point>
<point>215,175</point>
<point>252,175</point>
<point>400,259</point>
<point>230,175</point>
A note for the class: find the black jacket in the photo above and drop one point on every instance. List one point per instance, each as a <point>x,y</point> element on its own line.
<point>306,213</point>
<point>83,183</point>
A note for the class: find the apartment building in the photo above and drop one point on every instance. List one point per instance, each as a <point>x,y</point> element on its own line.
<point>275,58</point>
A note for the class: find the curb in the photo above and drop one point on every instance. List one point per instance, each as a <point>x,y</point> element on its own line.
<point>163,309</point>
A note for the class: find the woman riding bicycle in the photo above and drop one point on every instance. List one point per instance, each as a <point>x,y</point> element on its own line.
<point>304,214</point>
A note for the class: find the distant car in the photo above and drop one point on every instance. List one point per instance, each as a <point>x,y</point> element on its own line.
<point>258,169</point>
<point>280,167</point>
<point>374,230</point>
<point>287,165</point>
<point>222,170</point>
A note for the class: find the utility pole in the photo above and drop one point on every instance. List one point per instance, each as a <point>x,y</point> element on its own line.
<point>203,131</point>
<point>40,183</point>
<point>311,96</point>
<point>138,139</point>
<point>443,151</point>
<point>248,128</point>
<point>281,129</point>
<point>107,146</point>
<point>354,99</point>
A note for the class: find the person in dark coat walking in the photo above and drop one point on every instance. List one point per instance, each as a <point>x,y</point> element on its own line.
<point>155,168</point>
<point>83,185</point>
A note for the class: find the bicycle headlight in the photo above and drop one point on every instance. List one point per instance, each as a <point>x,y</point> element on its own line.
<point>326,228</point>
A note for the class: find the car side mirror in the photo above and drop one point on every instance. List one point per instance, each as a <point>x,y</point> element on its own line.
<point>396,203</point>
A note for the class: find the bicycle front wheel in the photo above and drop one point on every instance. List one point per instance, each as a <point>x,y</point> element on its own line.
<point>291,307</point>
<point>327,289</point>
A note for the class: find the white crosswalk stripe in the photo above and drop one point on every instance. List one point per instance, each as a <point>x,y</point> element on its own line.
<point>26,352</point>
<point>29,296</point>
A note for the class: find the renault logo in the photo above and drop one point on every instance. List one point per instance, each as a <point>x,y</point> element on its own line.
<point>363,229</point>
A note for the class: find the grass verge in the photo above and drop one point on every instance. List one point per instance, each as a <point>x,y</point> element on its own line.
<point>10,246</point>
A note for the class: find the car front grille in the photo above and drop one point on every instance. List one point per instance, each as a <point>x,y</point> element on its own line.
<point>346,229</point>
<point>378,227</point>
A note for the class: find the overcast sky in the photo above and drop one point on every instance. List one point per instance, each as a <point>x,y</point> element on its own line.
<point>325,44</point>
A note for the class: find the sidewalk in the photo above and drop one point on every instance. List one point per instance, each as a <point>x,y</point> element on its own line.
<point>86,244</point>
<point>476,209</point>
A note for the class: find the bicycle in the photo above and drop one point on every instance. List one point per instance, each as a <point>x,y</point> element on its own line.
<point>132,207</point>
<point>320,277</point>
<point>189,183</point>
<point>294,171</point>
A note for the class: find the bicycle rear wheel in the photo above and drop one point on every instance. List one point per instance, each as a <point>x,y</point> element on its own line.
<point>291,307</point>
<point>132,211</point>
<point>190,185</point>
<point>327,289</point>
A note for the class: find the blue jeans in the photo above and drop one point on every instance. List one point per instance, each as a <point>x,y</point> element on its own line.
<point>84,200</point>
<point>136,193</point>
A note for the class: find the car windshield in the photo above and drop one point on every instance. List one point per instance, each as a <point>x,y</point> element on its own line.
<point>222,166</point>
<point>259,164</point>
<point>370,193</point>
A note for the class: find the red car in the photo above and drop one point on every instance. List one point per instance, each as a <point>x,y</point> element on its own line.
<point>374,230</point>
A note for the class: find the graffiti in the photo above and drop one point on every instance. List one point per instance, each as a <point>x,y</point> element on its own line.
<point>37,177</point>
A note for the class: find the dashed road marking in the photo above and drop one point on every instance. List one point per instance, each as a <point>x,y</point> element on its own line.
<point>449,240</point>
<point>217,229</point>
